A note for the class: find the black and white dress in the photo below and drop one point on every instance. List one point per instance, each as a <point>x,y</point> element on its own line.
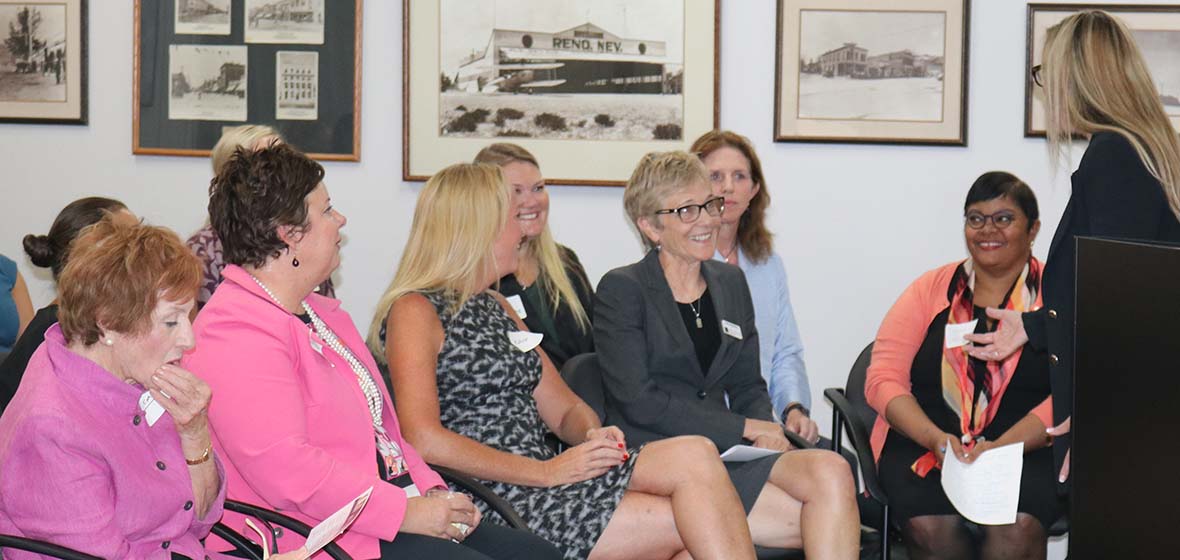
<point>485,392</point>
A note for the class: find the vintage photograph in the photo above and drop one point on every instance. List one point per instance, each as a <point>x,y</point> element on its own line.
<point>297,78</point>
<point>576,70</point>
<point>207,82</point>
<point>202,17</point>
<point>33,54</point>
<point>1160,48</point>
<point>871,65</point>
<point>285,21</point>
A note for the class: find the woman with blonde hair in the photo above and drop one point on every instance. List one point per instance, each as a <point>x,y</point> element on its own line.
<point>549,289</point>
<point>1096,85</point>
<point>475,393</point>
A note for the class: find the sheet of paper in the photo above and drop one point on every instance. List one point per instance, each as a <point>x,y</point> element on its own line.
<point>743,453</point>
<point>988,490</point>
<point>524,340</point>
<point>955,332</point>
<point>335,524</point>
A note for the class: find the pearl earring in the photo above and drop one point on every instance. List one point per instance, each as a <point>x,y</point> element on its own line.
<point>109,342</point>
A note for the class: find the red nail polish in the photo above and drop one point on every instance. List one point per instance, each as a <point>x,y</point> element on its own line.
<point>620,446</point>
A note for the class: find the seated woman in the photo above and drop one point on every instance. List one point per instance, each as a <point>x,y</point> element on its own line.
<point>16,310</point>
<point>83,462</point>
<point>476,394</point>
<point>927,393</point>
<point>50,251</point>
<point>678,348</point>
<point>549,289</point>
<point>301,419</point>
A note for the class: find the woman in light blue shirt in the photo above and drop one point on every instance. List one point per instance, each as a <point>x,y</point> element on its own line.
<point>736,174</point>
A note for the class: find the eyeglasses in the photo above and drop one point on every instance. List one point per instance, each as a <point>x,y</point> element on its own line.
<point>1001,220</point>
<point>1036,75</point>
<point>689,213</point>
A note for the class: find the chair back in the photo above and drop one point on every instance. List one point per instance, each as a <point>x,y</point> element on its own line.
<point>854,390</point>
<point>583,374</point>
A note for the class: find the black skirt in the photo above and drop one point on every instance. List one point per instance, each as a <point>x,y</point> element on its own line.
<point>749,478</point>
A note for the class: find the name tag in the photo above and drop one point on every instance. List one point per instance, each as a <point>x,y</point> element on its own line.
<point>731,329</point>
<point>955,332</point>
<point>315,344</point>
<point>152,410</point>
<point>517,306</point>
<point>524,341</point>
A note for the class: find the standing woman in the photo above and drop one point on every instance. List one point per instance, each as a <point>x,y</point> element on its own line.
<point>1096,84</point>
<point>549,289</point>
<point>743,240</point>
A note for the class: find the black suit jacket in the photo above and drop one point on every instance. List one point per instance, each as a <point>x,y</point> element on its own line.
<point>1113,195</point>
<point>651,376</point>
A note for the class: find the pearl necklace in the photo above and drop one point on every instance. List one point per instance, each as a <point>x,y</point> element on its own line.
<point>363,377</point>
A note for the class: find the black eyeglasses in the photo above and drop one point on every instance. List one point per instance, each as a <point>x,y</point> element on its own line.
<point>1036,75</point>
<point>689,213</point>
<point>1001,220</point>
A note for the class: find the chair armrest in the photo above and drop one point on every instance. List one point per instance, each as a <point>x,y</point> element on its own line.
<point>43,548</point>
<point>860,442</point>
<point>477,489</point>
<point>241,544</point>
<point>291,524</point>
<point>797,440</point>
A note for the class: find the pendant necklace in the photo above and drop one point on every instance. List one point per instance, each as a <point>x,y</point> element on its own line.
<point>696,310</point>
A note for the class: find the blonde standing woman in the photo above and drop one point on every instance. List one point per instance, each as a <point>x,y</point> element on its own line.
<point>1096,85</point>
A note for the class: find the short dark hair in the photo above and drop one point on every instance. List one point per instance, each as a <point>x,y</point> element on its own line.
<point>254,194</point>
<point>995,184</point>
<point>51,250</point>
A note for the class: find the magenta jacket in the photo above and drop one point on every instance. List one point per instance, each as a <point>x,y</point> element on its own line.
<point>289,419</point>
<point>80,467</point>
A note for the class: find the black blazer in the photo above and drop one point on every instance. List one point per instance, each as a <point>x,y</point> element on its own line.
<point>566,339</point>
<point>653,382</point>
<point>12,369</point>
<point>1113,195</point>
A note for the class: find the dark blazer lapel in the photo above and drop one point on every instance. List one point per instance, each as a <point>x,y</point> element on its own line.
<point>726,308</point>
<point>1062,229</point>
<point>660,296</point>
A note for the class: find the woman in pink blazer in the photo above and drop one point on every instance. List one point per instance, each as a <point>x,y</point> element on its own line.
<point>301,418</point>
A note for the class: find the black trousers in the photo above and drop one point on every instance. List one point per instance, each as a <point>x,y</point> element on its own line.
<point>488,542</point>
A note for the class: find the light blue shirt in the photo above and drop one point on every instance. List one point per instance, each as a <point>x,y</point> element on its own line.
<point>779,344</point>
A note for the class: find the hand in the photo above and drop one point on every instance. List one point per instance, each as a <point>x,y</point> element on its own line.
<point>799,423</point>
<point>996,346</point>
<point>185,397</point>
<point>773,442</point>
<point>1061,430</point>
<point>610,433</point>
<point>297,554</point>
<point>977,450</point>
<point>588,460</point>
<point>755,428</point>
<point>435,515</point>
<point>940,447</point>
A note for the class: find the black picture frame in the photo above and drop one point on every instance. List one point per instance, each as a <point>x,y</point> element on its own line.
<point>73,110</point>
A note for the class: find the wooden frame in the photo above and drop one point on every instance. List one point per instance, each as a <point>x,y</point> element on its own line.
<point>438,128</point>
<point>49,86</point>
<point>326,124</point>
<point>824,92</point>
<point>1139,18</point>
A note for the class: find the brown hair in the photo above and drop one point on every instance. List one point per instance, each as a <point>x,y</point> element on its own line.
<point>504,153</point>
<point>754,238</point>
<point>51,250</point>
<point>256,193</point>
<point>247,136</point>
<point>117,273</point>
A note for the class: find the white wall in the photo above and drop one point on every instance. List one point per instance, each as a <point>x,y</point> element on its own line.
<point>854,223</point>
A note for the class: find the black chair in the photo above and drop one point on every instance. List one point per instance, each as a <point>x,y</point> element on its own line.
<point>43,548</point>
<point>276,522</point>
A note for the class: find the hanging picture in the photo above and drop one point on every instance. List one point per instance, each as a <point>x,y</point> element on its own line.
<point>43,62</point>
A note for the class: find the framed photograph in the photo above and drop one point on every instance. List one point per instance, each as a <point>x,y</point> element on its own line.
<point>202,66</point>
<point>588,86</point>
<point>855,71</point>
<point>1156,29</point>
<point>43,62</point>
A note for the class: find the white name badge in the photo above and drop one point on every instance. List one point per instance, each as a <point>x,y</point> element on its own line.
<point>524,341</point>
<point>955,332</point>
<point>517,306</point>
<point>731,329</point>
<point>152,410</point>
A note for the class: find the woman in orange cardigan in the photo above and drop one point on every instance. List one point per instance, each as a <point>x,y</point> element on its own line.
<point>934,400</point>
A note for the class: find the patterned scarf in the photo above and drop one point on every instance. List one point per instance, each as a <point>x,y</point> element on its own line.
<point>963,377</point>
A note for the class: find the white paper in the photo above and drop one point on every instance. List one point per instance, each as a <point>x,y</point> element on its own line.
<point>955,332</point>
<point>525,340</point>
<point>988,490</point>
<point>335,524</point>
<point>517,306</point>
<point>152,410</point>
<point>743,453</point>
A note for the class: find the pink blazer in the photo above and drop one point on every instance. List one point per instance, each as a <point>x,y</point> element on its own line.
<point>289,419</point>
<point>80,467</point>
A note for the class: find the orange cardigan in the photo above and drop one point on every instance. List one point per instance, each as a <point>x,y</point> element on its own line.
<point>898,340</point>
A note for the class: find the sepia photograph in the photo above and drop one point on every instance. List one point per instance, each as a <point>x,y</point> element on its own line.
<point>285,21</point>
<point>207,82</point>
<point>576,70</point>
<point>297,77</point>
<point>1159,47</point>
<point>202,17</point>
<point>33,55</point>
<point>871,65</point>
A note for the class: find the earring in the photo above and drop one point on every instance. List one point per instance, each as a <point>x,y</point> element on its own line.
<point>295,262</point>
<point>109,342</point>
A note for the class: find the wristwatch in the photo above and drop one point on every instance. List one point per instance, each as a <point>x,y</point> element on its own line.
<point>794,406</point>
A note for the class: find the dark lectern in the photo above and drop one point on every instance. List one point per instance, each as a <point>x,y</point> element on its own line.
<point>1126,414</point>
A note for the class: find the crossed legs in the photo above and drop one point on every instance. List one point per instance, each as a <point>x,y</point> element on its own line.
<point>809,502</point>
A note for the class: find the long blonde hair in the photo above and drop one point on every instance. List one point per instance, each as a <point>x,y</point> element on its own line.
<point>551,262</point>
<point>1097,80</point>
<point>459,215</point>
